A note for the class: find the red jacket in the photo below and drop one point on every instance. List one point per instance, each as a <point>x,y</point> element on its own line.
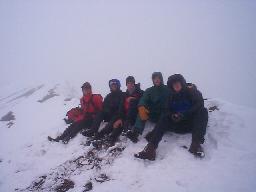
<point>90,106</point>
<point>91,103</point>
<point>127,103</point>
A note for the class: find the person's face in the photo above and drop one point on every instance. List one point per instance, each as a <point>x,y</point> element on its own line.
<point>86,91</point>
<point>113,87</point>
<point>130,86</point>
<point>157,81</point>
<point>177,87</point>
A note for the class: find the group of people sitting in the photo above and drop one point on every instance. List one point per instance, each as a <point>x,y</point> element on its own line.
<point>177,107</point>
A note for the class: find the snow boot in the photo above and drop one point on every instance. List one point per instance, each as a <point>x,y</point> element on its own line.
<point>196,149</point>
<point>57,139</point>
<point>88,133</point>
<point>66,140</point>
<point>133,136</point>
<point>114,136</point>
<point>149,152</point>
<point>68,121</point>
<point>105,131</point>
<point>127,126</point>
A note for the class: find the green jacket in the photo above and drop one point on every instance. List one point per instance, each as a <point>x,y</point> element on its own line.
<point>154,99</point>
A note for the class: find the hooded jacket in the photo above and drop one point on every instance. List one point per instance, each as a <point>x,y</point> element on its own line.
<point>154,99</point>
<point>187,101</point>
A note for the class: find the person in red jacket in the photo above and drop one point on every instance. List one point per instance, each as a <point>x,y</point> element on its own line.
<point>81,117</point>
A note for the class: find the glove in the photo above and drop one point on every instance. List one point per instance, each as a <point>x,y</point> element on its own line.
<point>177,117</point>
<point>118,124</point>
<point>143,113</point>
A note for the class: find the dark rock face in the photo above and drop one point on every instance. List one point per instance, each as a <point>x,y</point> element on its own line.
<point>88,186</point>
<point>65,186</point>
<point>213,108</point>
<point>8,117</point>
<point>51,94</point>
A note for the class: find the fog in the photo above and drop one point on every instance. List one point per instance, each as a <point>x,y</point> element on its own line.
<point>212,43</point>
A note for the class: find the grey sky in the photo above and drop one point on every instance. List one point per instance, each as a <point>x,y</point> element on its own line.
<point>213,43</point>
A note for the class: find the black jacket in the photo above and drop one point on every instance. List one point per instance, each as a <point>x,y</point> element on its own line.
<point>113,104</point>
<point>187,102</point>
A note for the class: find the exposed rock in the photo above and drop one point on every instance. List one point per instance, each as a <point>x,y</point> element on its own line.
<point>102,178</point>
<point>88,186</point>
<point>213,108</point>
<point>10,124</point>
<point>8,117</point>
<point>65,186</point>
<point>27,93</point>
<point>51,94</point>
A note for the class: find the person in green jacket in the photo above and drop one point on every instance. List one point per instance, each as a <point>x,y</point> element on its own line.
<point>150,106</point>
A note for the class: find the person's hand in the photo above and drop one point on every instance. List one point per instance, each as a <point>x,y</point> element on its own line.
<point>143,113</point>
<point>118,124</point>
<point>176,117</point>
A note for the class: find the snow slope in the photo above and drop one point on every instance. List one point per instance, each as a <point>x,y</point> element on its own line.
<point>25,153</point>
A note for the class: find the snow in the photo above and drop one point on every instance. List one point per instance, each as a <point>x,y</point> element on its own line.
<point>26,154</point>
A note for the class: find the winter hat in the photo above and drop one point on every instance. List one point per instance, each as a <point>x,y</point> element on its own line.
<point>86,85</point>
<point>176,78</point>
<point>157,74</point>
<point>114,81</point>
<point>130,79</point>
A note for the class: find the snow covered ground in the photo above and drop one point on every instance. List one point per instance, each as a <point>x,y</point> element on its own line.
<point>26,154</point>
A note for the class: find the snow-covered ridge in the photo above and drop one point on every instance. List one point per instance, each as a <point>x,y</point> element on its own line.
<point>26,154</point>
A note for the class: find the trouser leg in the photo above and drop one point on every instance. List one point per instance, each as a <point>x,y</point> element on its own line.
<point>199,124</point>
<point>97,121</point>
<point>139,125</point>
<point>75,128</point>
<point>161,127</point>
<point>132,113</point>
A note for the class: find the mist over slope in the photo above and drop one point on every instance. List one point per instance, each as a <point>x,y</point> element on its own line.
<point>211,42</point>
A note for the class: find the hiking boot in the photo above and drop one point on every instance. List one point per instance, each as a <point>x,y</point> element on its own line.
<point>68,121</point>
<point>57,139</point>
<point>113,137</point>
<point>196,149</point>
<point>127,126</point>
<point>133,136</point>
<point>98,136</point>
<point>88,133</point>
<point>110,141</point>
<point>66,140</point>
<point>105,131</point>
<point>149,153</point>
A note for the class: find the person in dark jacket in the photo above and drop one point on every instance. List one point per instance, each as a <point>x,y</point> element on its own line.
<point>113,111</point>
<point>132,98</point>
<point>127,116</point>
<point>81,117</point>
<point>184,112</point>
<point>150,106</point>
